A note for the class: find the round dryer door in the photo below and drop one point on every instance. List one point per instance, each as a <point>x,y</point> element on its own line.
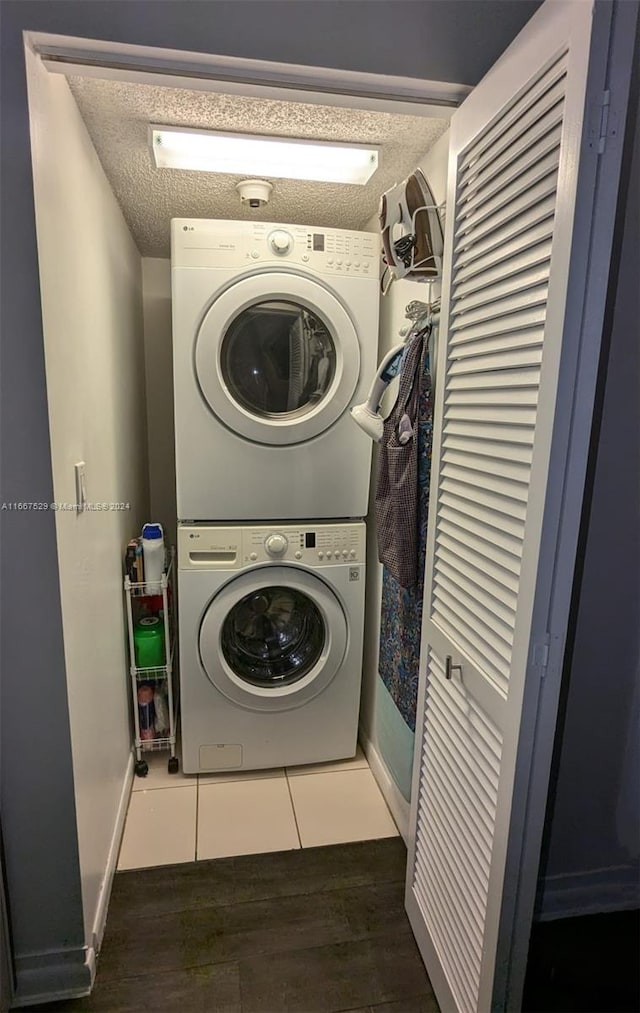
<point>272,639</point>
<point>277,358</point>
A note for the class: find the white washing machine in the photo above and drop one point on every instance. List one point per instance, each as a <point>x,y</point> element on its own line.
<point>275,336</point>
<point>271,624</point>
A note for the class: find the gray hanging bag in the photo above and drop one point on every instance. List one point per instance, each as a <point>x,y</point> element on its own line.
<point>397,489</point>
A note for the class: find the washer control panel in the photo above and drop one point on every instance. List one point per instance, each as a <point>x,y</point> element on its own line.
<point>221,548</point>
<point>198,242</point>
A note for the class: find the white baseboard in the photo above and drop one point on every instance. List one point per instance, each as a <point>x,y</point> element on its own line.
<point>595,892</point>
<point>100,917</point>
<point>398,805</point>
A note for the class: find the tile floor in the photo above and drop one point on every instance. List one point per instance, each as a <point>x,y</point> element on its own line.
<point>175,818</point>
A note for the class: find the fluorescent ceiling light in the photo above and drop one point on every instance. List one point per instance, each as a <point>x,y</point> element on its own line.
<point>282,157</point>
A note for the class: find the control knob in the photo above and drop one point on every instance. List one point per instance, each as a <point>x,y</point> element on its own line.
<point>276,545</point>
<point>280,241</point>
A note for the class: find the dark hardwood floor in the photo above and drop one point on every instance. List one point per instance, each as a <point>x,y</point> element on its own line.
<point>319,930</point>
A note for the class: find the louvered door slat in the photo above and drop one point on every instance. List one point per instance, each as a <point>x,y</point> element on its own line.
<point>478,604</point>
<point>456,569</point>
<point>479,728</point>
<point>442,918</point>
<point>497,466</point>
<point>497,641</point>
<point>525,319</point>
<point>452,555</point>
<point>481,357</point>
<point>535,126</point>
<point>440,867</point>
<point>467,874</point>
<point>451,873</point>
<point>475,591</point>
<point>470,508</point>
<point>534,256</point>
<point>516,190</point>
<point>506,257</point>
<point>492,309</point>
<point>467,476</point>
<point>503,451</point>
<point>516,115</point>
<point>517,282</point>
<point>521,226</point>
<point>509,508</point>
<point>484,769</point>
<point>479,652</point>
<point>453,782</point>
<point>526,158</point>
<point>517,437</point>
<point>514,377</point>
<point>499,395</point>
<point>453,722</point>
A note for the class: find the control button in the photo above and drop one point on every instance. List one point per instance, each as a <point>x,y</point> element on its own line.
<point>255,254</point>
<point>305,257</point>
<point>357,263</point>
<point>344,553</point>
<point>253,556</point>
<point>276,545</point>
<point>329,554</point>
<point>353,553</point>
<point>298,554</point>
<point>330,262</point>
<point>348,263</point>
<point>321,555</point>
<point>280,241</point>
<point>339,263</point>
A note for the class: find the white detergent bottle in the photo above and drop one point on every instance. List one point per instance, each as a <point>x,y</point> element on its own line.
<point>153,556</point>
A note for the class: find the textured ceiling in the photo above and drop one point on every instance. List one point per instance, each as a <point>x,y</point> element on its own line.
<point>117,116</point>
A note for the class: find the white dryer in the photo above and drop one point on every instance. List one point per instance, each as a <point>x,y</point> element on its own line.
<point>271,626</point>
<point>275,335</point>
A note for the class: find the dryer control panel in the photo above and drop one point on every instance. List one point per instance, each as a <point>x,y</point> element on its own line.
<point>208,547</point>
<point>197,242</point>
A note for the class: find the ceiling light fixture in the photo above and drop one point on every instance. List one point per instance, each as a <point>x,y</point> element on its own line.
<point>282,157</point>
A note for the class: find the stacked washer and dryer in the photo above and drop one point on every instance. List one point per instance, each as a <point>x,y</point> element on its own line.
<point>275,332</point>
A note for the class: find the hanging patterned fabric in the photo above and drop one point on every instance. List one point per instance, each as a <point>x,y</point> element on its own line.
<point>396,499</point>
<point>401,610</point>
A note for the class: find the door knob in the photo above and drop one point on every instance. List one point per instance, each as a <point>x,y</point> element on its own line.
<point>450,668</point>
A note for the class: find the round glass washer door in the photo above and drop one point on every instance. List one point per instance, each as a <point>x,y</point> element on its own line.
<point>273,639</point>
<point>277,358</point>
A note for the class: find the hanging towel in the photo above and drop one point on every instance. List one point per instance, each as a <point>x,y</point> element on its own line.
<point>401,608</point>
<point>397,489</point>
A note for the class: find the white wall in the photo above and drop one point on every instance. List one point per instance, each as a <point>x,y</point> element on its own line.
<point>156,297</point>
<point>90,278</point>
<point>374,710</point>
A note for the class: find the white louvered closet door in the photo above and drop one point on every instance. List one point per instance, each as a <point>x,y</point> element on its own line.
<point>513,408</point>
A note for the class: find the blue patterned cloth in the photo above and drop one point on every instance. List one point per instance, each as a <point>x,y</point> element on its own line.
<point>401,611</point>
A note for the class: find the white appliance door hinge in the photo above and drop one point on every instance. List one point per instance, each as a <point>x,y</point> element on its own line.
<point>540,654</point>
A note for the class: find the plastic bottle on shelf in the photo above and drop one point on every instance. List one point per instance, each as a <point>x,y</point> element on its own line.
<point>148,638</point>
<point>146,712</point>
<point>153,555</point>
